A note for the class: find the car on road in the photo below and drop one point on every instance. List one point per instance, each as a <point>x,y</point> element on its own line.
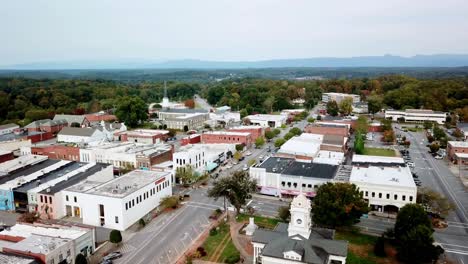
<point>228,166</point>
<point>106,261</point>
<point>113,255</point>
<point>241,158</point>
<point>245,167</point>
<point>438,157</point>
<point>410,164</point>
<point>248,153</point>
<point>260,158</point>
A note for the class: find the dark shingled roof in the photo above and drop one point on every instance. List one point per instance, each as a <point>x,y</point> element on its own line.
<point>289,166</point>
<point>77,131</point>
<point>27,170</point>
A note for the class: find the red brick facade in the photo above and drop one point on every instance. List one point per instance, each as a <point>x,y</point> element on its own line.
<point>58,152</point>
<point>192,139</point>
<point>324,130</point>
<point>6,157</point>
<point>451,150</point>
<point>255,132</point>
<point>146,162</point>
<point>228,138</point>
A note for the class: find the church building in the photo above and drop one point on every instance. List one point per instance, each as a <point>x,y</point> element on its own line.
<point>298,241</point>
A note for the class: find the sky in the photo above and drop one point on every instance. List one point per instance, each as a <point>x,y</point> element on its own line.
<point>228,30</point>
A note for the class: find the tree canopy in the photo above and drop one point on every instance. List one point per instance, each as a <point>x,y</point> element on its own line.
<point>332,108</point>
<point>131,110</point>
<point>338,204</point>
<point>236,188</point>
<point>115,236</point>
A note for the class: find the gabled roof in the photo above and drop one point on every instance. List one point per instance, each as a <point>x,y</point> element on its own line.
<point>77,131</point>
<point>80,119</point>
<point>11,125</point>
<point>46,122</point>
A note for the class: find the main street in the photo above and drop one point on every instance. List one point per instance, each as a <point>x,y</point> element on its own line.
<point>436,175</point>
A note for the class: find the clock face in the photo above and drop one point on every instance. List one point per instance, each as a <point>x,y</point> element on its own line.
<point>299,221</point>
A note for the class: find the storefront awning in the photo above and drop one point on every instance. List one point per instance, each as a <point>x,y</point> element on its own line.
<point>211,166</point>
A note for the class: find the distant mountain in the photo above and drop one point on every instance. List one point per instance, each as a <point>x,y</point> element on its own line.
<point>438,60</point>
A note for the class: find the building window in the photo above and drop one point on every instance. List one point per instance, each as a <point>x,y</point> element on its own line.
<point>395,197</point>
<point>116,219</point>
<point>50,199</point>
<point>403,197</point>
<point>367,193</point>
<point>66,198</point>
<point>411,198</point>
<point>388,196</point>
<point>68,253</point>
<point>74,199</point>
<point>309,186</point>
<point>380,195</point>
<point>126,206</point>
<point>41,199</point>
<point>303,185</point>
<point>373,194</point>
<point>133,202</point>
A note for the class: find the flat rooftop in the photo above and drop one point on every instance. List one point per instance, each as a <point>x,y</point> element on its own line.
<point>30,169</point>
<point>393,176</point>
<point>39,244</point>
<point>266,117</point>
<point>6,258</point>
<point>4,152</point>
<point>288,166</point>
<point>459,144</point>
<point>366,159</point>
<point>245,127</point>
<point>144,132</point>
<point>131,148</point>
<point>20,162</point>
<point>25,179</point>
<point>26,230</point>
<point>81,176</point>
<point>227,133</point>
<point>124,185</point>
<point>306,144</point>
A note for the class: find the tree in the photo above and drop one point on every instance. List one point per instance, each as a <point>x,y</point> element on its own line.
<point>332,108</point>
<point>237,155</point>
<point>428,125</point>
<point>295,131</point>
<point>268,103</point>
<point>189,103</point>
<point>171,132</point>
<point>277,131</point>
<point>359,144</point>
<point>170,202</point>
<point>284,213</point>
<point>236,188</point>
<point>434,202</point>
<point>36,114</point>
<point>362,125</point>
<point>131,110</point>
<point>279,142</point>
<point>243,113</point>
<point>80,259</point>
<point>434,147</point>
<point>246,121</point>
<point>346,106</point>
<point>388,136</point>
<point>115,237</point>
<point>338,204</point>
<point>386,124</point>
<point>186,128</point>
<point>413,235</point>
<point>185,174</point>
<point>379,247</point>
<point>458,133</point>
<point>269,134</point>
<point>438,132</point>
<point>288,136</point>
<point>240,147</point>
<point>259,142</point>
<point>374,104</point>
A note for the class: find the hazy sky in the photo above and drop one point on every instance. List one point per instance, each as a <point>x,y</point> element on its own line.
<point>41,30</point>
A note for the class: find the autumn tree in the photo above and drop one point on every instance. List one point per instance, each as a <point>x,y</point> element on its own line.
<point>332,108</point>
<point>189,103</point>
<point>346,106</point>
<point>434,201</point>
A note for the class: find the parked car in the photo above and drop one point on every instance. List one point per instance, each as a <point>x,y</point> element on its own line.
<point>438,157</point>
<point>106,261</point>
<point>248,153</point>
<point>241,158</point>
<point>228,166</point>
<point>245,167</point>
<point>410,164</point>
<point>113,255</point>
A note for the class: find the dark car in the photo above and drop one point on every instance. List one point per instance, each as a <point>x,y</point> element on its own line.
<point>113,255</point>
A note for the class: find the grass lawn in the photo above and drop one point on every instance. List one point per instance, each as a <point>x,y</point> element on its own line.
<point>361,249</point>
<point>263,222</point>
<point>379,152</point>
<point>220,241</point>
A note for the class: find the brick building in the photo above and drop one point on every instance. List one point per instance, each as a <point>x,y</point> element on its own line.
<point>59,151</point>
<point>191,139</point>
<point>6,155</point>
<point>47,125</point>
<point>255,131</point>
<point>323,129</point>
<point>456,147</point>
<point>145,136</point>
<point>228,137</point>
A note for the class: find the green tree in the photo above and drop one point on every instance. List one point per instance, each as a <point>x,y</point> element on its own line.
<point>438,132</point>
<point>277,131</point>
<point>288,136</point>
<point>458,133</point>
<point>237,155</point>
<point>170,202</point>
<point>236,188</point>
<point>434,147</point>
<point>295,131</point>
<point>434,201</point>
<point>386,124</point>
<point>388,136</point>
<point>346,106</point>
<point>374,104</point>
<point>359,144</point>
<point>338,204</point>
<point>259,142</point>
<point>310,120</point>
<point>413,235</point>
<point>332,108</point>
<point>185,174</point>
<point>279,142</point>
<point>131,110</point>
<point>284,213</point>
<point>240,147</point>
<point>115,237</point>
<point>243,113</point>
<point>428,125</point>
<point>36,114</point>
<point>268,103</point>
<point>362,125</point>
<point>269,134</point>
<point>379,247</point>
<point>80,259</point>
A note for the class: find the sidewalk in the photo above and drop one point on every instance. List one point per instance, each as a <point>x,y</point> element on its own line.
<point>241,242</point>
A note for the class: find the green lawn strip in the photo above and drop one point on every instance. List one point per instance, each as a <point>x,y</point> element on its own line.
<point>212,242</point>
<point>263,222</point>
<point>379,152</point>
<point>355,259</point>
<point>228,251</point>
<point>356,238</point>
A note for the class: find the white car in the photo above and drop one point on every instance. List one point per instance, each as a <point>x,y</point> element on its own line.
<point>410,164</point>
<point>228,166</point>
<point>438,157</point>
<point>248,153</point>
<point>245,167</point>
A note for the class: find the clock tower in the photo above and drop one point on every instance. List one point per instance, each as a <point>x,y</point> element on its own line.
<point>301,222</point>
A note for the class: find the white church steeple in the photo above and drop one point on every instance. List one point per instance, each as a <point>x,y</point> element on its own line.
<point>301,221</point>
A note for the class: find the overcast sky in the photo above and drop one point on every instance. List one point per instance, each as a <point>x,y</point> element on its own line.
<point>47,30</point>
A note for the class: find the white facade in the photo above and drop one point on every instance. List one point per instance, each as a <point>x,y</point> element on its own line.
<point>338,97</point>
<point>416,115</point>
<point>275,121</point>
<point>121,202</point>
<point>199,156</point>
<point>96,136</point>
<point>8,129</point>
<point>385,186</point>
<point>305,145</point>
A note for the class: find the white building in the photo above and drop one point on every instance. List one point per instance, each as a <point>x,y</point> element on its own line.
<point>338,97</point>
<point>387,187</point>
<point>121,154</point>
<point>81,135</point>
<point>202,157</point>
<point>416,115</point>
<point>8,128</point>
<point>298,241</point>
<point>275,121</point>
<point>304,147</point>
<point>121,202</point>
<point>181,118</point>
<point>83,238</point>
<point>223,118</point>
<point>287,177</point>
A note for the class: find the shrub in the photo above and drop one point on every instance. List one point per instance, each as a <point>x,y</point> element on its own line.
<point>232,259</point>
<point>379,247</point>
<point>80,259</point>
<point>115,236</point>
<point>142,222</point>
<point>202,251</point>
<point>283,213</point>
<point>213,231</point>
